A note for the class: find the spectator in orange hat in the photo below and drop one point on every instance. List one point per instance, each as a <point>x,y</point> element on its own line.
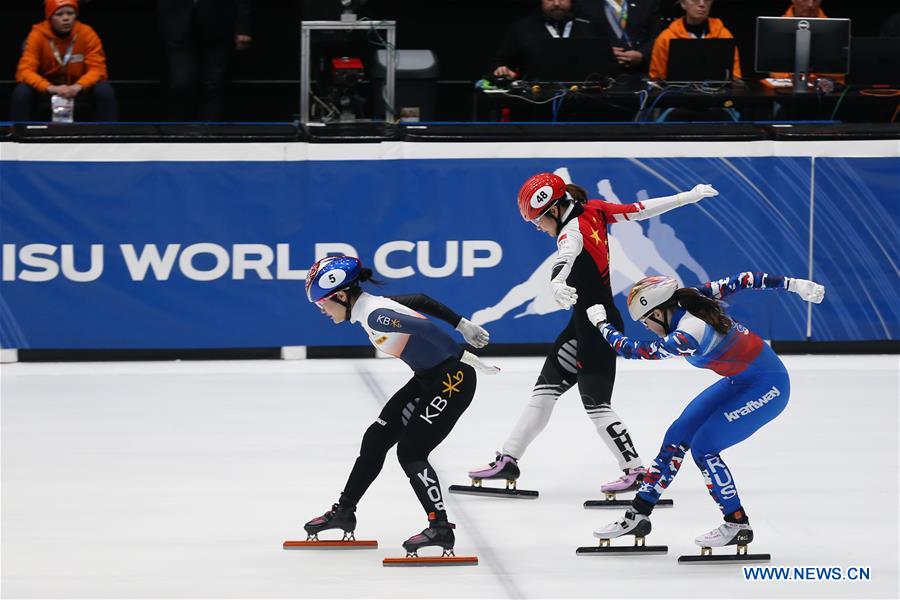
<point>696,23</point>
<point>64,57</point>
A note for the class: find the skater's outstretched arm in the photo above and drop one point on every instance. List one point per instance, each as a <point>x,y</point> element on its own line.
<point>652,207</point>
<point>721,288</point>
<point>426,304</point>
<point>473,334</point>
<point>677,343</point>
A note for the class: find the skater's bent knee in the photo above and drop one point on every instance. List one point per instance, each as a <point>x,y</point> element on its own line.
<point>375,442</point>
<point>679,433</point>
<point>408,454</point>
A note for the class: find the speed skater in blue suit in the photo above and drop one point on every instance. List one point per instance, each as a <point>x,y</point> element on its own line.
<point>754,388</point>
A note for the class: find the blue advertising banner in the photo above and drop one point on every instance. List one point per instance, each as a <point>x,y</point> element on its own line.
<point>135,253</point>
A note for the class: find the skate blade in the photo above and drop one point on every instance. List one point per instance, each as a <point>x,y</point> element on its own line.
<point>620,550</point>
<point>330,544</point>
<point>472,490</point>
<point>724,558</point>
<point>431,561</point>
<point>621,503</point>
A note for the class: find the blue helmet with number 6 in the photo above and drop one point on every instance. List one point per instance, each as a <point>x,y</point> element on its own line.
<point>649,293</point>
<point>330,275</point>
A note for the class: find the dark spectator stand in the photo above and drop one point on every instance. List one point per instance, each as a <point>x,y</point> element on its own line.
<point>265,79</point>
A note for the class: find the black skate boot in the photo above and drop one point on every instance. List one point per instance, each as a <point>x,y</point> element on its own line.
<point>438,533</point>
<point>339,517</point>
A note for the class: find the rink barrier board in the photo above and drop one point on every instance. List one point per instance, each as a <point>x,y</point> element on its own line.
<point>783,208</point>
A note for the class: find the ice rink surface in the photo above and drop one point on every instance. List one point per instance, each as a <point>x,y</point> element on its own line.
<point>182,479</point>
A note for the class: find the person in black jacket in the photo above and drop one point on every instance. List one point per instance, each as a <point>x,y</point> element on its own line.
<point>631,26</point>
<point>891,27</point>
<point>199,36</point>
<point>517,56</point>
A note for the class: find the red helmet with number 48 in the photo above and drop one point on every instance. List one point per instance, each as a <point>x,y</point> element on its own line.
<point>539,194</point>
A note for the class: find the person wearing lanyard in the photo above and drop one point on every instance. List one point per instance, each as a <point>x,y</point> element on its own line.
<point>631,25</point>
<point>64,57</point>
<point>516,56</point>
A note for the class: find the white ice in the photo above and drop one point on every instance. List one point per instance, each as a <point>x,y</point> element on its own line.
<point>182,479</point>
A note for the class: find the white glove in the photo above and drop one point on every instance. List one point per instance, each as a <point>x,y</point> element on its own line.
<point>806,289</point>
<point>473,334</point>
<point>701,191</point>
<point>596,314</point>
<point>565,295</point>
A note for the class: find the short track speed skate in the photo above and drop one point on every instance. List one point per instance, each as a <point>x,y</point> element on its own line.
<point>629,482</point>
<point>503,466</point>
<point>632,523</point>
<point>727,534</point>
<point>338,517</point>
<point>438,533</point>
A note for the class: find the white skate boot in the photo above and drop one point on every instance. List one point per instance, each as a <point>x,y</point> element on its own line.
<point>726,534</point>
<point>633,523</point>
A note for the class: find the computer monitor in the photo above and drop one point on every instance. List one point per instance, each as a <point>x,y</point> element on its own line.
<point>710,60</point>
<point>874,61</point>
<point>574,59</point>
<point>802,45</point>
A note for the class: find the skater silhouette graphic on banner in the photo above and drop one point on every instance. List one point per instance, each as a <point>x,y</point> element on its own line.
<point>659,251</point>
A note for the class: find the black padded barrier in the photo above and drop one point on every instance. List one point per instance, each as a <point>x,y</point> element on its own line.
<point>827,132</point>
<point>581,132</point>
<point>375,132</point>
<point>155,132</point>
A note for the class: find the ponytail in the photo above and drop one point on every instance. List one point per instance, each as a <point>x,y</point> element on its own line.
<point>705,309</point>
<point>364,275</point>
<point>577,192</point>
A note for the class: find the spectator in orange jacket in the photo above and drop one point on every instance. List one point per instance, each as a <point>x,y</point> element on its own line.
<point>810,9</point>
<point>62,56</point>
<point>696,23</point>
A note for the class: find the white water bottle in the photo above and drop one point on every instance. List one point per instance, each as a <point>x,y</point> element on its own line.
<point>62,109</point>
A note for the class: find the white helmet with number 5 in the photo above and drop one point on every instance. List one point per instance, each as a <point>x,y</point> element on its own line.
<point>649,293</point>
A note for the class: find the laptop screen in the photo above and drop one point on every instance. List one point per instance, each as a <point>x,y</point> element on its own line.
<point>701,60</point>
